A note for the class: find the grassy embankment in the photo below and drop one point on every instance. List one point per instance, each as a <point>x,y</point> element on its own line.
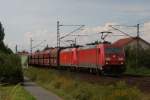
<point>70,87</point>
<point>14,92</point>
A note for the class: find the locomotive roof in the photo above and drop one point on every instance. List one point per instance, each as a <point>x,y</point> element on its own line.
<point>88,46</point>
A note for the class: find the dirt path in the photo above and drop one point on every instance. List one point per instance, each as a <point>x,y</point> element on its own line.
<point>38,92</point>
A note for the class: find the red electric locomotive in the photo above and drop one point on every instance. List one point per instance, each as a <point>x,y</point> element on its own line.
<point>105,58</point>
<point>102,57</point>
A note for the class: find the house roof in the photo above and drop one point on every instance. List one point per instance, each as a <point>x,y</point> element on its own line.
<point>126,41</point>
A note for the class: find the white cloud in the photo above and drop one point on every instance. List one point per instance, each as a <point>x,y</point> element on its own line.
<point>146,31</point>
<point>98,28</point>
<point>41,37</point>
<point>43,34</point>
<point>93,33</point>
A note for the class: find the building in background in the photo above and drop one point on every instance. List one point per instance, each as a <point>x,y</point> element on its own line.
<point>133,43</point>
<point>24,58</point>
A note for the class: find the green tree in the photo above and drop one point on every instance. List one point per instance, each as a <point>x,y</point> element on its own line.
<point>143,57</point>
<point>3,48</point>
<point>2,34</point>
<point>10,64</point>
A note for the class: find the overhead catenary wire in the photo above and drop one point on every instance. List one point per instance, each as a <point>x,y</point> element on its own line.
<point>38,44</point>
<point>59,37</point>
<point>81,26</point>
<point>120,31</point>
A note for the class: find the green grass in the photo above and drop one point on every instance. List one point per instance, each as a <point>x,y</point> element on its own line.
<point>16,92</point>
<point>71,88</point>
<point>142,71</point>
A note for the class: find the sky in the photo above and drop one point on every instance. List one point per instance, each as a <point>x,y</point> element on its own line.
<point>23,19</point>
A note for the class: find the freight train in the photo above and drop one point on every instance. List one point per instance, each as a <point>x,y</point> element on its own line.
<point>105,58</point>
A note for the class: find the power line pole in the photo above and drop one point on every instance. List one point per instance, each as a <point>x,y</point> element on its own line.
<point>137,46</point>
<point>138,30</point>
<point>16,48</point>
<point>58,32</point>
<point>58,35</point>
<point>31,40</point>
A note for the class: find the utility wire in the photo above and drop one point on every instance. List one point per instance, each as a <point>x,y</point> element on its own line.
<point>81,26</point>
<point>121,31</point>
<point>38,44</point>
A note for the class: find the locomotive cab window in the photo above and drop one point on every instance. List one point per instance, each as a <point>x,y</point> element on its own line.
<point>113,50</point>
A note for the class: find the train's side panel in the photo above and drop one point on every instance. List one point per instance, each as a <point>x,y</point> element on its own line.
<point>101,56</point>
<point>66,57</point>
<point>88,57</point>
<point>32,62</point>
<point>36,59</point>
<point>54,57</point>
<point>39,59</point>
<point>46,58</point>
<point>75,57</point>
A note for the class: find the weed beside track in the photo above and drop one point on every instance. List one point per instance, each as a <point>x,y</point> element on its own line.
<point>82,86</point>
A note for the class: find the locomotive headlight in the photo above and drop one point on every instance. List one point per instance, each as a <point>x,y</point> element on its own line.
<point>120,59</point>
<point>108,59</point>
<point>122,63</point>
<point>107,62</point>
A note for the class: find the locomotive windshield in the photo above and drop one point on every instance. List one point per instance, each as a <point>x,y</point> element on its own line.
<point>113,50</point>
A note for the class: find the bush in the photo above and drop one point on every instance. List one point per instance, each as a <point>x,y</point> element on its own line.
<point>143,57</point>
<point>4,48</point>
<point>138,64</point>
<point>10,68</point>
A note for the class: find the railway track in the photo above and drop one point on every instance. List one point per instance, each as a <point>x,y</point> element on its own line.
<point>142,82</point>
